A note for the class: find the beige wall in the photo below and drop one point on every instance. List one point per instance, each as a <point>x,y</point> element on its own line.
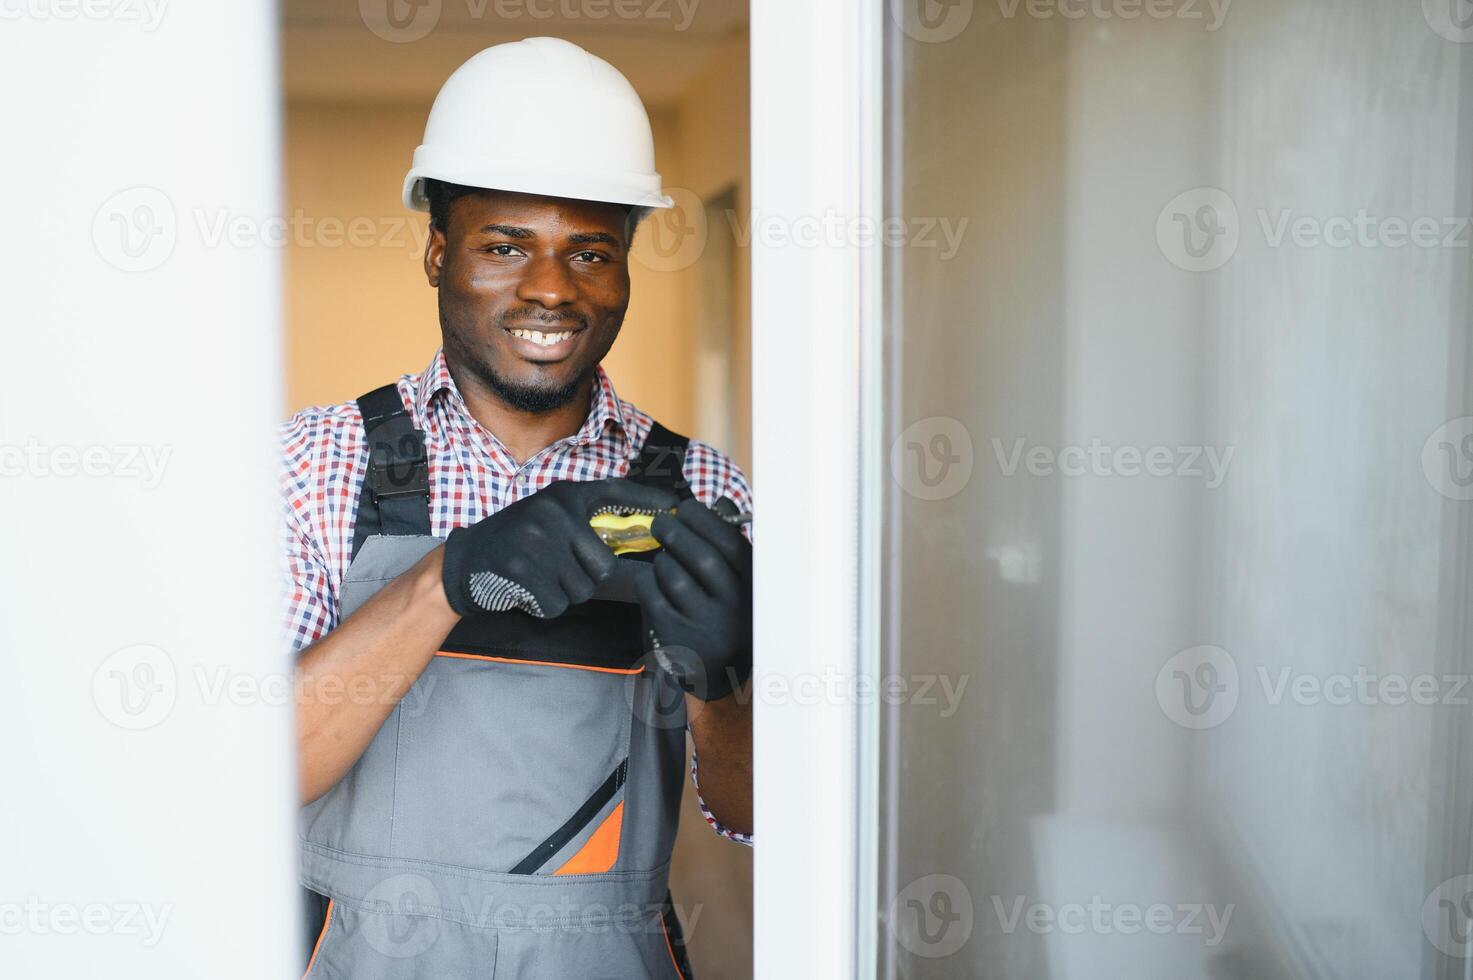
<point>715,145</point>
<point>360,314</point>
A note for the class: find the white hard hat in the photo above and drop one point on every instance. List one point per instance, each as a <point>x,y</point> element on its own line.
<point>540,116</point>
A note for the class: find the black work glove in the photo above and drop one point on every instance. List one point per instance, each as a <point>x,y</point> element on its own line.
<point>539,555</point>
<point>698,601</point>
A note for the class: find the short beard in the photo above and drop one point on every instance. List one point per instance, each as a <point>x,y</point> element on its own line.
<point>531,398</point>
<point>522,397</point>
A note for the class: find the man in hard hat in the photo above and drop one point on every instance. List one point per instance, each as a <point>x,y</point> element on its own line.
<point>492,704</point>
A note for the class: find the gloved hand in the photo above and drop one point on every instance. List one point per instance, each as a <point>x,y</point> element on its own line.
<point>698,600</point>
<point>539,554</point>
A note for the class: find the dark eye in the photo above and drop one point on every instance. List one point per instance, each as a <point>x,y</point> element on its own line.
<point>590,257</point>
<point>503,249</point>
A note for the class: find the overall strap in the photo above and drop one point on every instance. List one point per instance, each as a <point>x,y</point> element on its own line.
<point>395,495</point>
<point>661,462</point>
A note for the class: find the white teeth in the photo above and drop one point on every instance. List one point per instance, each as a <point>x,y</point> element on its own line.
<point>540,338</point>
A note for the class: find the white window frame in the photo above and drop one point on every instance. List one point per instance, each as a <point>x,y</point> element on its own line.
<point>816,154</point>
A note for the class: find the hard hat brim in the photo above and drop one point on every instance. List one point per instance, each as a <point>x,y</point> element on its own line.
<point>472,170</point>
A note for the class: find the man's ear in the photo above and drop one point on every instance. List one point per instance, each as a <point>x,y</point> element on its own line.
<point>434,256</point>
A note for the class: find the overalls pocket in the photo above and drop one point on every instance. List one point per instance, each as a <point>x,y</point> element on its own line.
<point>509,764</point>
<point>360,943</point>
<point>628,949</point>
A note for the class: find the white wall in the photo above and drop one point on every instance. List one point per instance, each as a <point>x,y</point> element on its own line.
<point>147,821</point>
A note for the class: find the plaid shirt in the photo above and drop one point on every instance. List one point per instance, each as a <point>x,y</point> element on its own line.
<point>471,476</point>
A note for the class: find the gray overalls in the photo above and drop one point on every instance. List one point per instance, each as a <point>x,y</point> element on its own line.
<point>515,815</point>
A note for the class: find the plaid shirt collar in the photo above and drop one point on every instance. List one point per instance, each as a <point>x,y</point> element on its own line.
<point>605,413</point>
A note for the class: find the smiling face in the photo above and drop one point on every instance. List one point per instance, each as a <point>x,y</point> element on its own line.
<point>532,292</point>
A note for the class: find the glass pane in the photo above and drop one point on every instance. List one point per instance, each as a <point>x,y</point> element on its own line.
<point>1181,453</point>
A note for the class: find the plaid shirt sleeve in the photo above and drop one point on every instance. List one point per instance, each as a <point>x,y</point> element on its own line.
<point>713,475</point>
<point>310,605</point>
